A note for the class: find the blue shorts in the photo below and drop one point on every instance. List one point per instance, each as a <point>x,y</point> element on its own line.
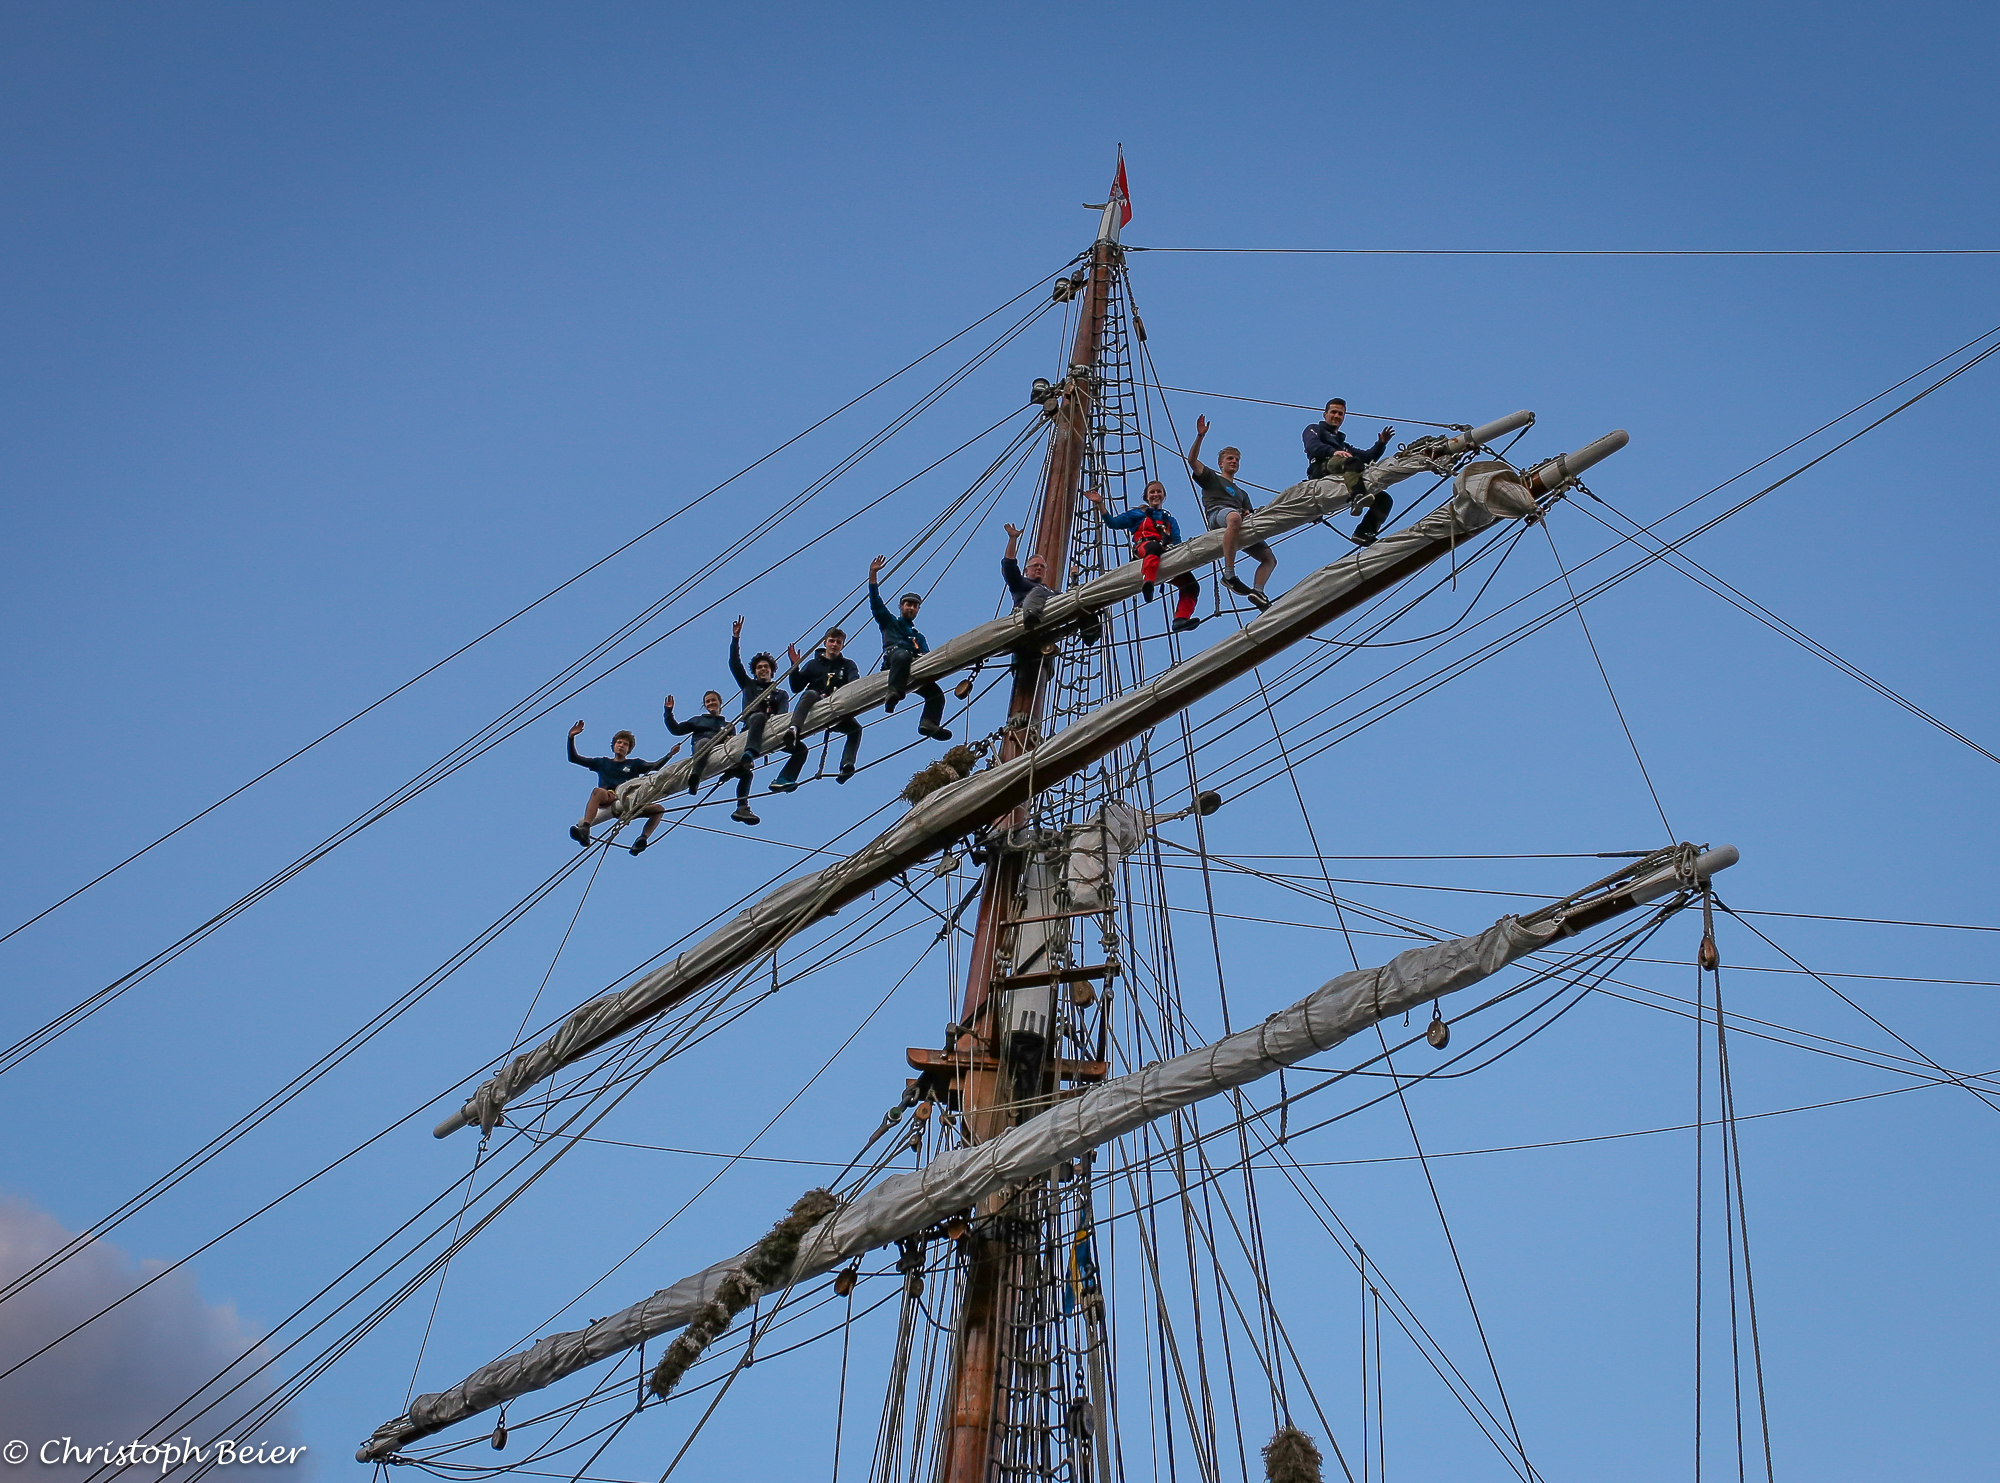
<point>1218,515</point>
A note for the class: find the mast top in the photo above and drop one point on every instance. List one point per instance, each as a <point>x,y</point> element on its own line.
<point>1116,211</point>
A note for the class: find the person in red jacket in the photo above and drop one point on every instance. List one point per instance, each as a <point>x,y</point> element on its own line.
<point>1153,531</point>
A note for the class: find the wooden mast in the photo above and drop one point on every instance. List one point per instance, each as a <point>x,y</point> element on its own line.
<point>986,1305</point>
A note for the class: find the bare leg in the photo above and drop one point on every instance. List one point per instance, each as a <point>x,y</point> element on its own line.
<point>653,815</point>
<point>1264,569</point>
<point>600,799</point>
<point>1231,527</point>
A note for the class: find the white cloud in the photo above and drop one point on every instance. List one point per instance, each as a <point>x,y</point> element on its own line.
<point>117,1377</point>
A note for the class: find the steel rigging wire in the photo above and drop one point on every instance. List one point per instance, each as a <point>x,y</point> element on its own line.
<point>562,1141</point>
<point>521,612</point>
<point>1878,424</point>
<point>523,712</point>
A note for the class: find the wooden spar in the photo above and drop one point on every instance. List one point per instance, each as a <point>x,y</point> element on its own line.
<point>985,1306</point>
<point>989,794</point>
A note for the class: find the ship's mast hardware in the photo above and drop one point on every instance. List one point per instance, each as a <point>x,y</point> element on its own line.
<point>959,1179</point>
<point>944,1064</point>
<point>1057,976</point>
<point>1301,505</point>
<point>1483,493</point>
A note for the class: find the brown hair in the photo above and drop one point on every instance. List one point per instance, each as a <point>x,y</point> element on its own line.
<point>627,735</point>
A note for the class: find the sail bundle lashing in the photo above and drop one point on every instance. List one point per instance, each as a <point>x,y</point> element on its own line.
<point>1482,494</point>
<point>1300,505</point>
<point>959,1179</point>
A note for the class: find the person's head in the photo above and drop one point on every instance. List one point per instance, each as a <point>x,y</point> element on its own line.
<point>712,702</point>
<point>1155,495</point>
<point>623,743</point>
<point>1035,568</point>
<point>834,642</point>
<point>1228,461</point>
<point>763,666</point>
<point>1336,412</point>
<point>911,602</point>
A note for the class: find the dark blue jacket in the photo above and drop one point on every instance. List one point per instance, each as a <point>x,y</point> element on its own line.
<point>1323,442</point>
<point>898,632</point>
<point>1021,588</point>
<point>822,675</point>
<point>703,727</point>
<point>1129,520</point>
<point>755,696</point>
<point>611,771</point>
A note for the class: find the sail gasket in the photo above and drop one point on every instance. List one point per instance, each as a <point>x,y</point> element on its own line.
<point>1480,497</point>
<point>958,1179</point>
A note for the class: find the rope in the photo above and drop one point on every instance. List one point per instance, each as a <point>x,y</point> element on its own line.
<point>1605,675</point>
<point>519,613</point>
<point>1592,251</point>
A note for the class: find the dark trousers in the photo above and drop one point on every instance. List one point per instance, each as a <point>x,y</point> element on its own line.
<point>898,661</point>
<point>847,726</point>
<point>1378,511</point>
<point>1028,662</point>
<point>699,763</point>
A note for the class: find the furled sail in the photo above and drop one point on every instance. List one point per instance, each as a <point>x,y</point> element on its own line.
<point>1476,503</point>
<point>957,1180</point>
<point>1300,505</point>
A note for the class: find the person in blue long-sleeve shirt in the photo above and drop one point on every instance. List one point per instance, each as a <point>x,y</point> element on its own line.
<point>902,642</point>
<point>709,730</point>
<point>1027,584</point>
<point>620,767</point>
<point>1154,529</point>
<point>1330,455</point>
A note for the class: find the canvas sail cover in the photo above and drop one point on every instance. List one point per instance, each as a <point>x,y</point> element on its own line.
<point>983,797</point>
<point>1300,505</point>
<point>958,1180</point>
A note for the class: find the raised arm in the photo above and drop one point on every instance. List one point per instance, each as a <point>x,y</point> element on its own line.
<point>743,679</point>
<point>1194,449</point>
<point>678,728</point>
<point>574,732</point>
<point>1381,443</point>
<point>882,615</point>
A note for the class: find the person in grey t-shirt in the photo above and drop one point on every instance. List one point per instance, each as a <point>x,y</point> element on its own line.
<point>1223,507</point>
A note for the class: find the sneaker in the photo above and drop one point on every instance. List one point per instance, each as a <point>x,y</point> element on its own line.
<point>744,816</point>
<point>638,846</point>
<point>1091,636</point>
<point>783,784</point>
<point>935,733</point>
<point>1236,584</point>
<point>1363,538</point>
<point>1146,592</point>
<point>1186,625</point>
<point>844,774</point>
<point>1258,599</point>
<point>580,834</point>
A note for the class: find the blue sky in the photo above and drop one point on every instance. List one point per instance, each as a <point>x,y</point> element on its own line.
<point>339,333</point>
